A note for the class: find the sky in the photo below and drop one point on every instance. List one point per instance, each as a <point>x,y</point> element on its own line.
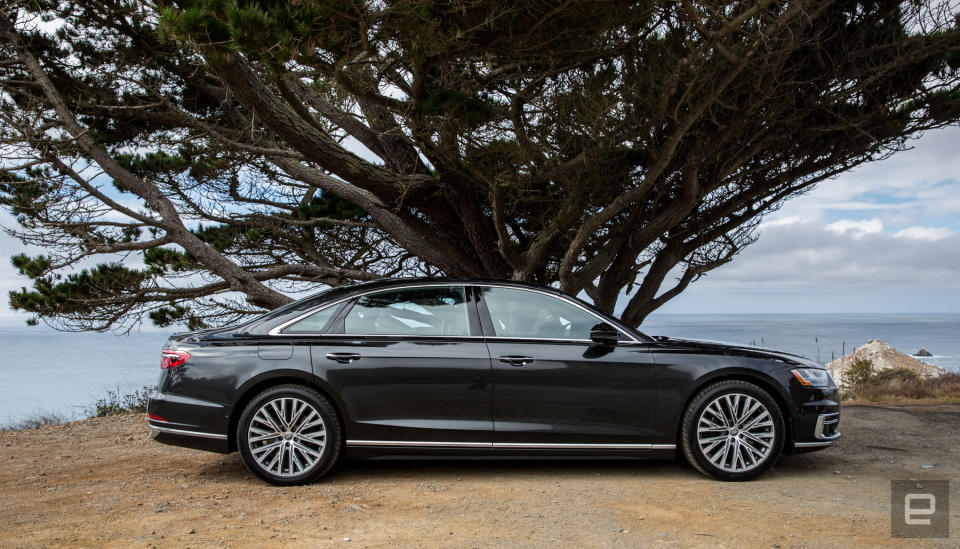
<point>884,238</point>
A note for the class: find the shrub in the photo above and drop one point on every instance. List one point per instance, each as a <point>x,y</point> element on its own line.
<point>115,403</point>
<point>893,383</point>
<point>34,422</point>
<point>946,386</point>
<point>857,377</point>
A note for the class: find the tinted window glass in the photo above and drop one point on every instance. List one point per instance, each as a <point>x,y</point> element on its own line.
<point>314,323</point>
<point>519,313</point>
<point>436,311</point>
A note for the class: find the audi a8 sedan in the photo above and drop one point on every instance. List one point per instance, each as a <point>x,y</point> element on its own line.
<point>433,367</point>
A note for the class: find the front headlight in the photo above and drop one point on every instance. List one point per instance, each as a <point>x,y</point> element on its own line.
<point>812,377</point>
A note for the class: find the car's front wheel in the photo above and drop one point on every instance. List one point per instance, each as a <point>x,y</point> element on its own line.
<point>289,435</point>
<point>732,430</point>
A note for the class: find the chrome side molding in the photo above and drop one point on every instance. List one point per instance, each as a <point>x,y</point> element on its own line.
<point>507,445</point>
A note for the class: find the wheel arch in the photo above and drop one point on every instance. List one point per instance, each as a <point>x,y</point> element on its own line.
<point>257,385</point>
<point>755,377</point>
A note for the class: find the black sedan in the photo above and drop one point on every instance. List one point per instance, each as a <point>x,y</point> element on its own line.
<point>479,367</point>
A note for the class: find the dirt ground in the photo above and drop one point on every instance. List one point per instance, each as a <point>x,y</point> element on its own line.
<point>103,482</point>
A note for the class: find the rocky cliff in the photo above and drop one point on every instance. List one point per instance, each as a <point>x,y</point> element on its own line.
<point>883,356</point>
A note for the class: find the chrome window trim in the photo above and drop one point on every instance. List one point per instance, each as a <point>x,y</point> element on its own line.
<point>508,445</point>
<point>156,429</point>
<point>277,331</point>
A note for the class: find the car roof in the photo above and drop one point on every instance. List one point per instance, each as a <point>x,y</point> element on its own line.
<point>368,285</point>
<point>348,290</point>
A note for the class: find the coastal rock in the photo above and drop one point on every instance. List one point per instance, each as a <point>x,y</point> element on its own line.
<point>922,352</point>
<point>883,356</point>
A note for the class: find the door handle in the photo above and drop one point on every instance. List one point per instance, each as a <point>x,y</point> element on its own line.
<point>343,358</point>
<point>516,360</point>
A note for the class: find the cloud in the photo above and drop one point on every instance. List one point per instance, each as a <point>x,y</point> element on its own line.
<point>856,228</point>
<point>883,238</point>
<point>841,267</point>
<point>855,257</point>
<point>918,186</point>
<point>924,233</point>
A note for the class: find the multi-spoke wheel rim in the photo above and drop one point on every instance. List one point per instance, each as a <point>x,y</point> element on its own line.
<point>735,432</point>
<point>286,436</point>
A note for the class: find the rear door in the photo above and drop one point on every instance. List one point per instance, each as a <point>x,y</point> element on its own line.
<point>411,368</point>
<point>553,386</point>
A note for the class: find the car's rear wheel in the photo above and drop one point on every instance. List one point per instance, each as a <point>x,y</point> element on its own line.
<point>288,435</point>
<point>732,430</point>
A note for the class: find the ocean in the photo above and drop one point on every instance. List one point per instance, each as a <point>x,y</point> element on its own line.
<point>45,371</point>
<point>822,337</point>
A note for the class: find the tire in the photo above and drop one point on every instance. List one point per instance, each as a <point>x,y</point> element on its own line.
<point>732,430</point>
<point>289,435</point>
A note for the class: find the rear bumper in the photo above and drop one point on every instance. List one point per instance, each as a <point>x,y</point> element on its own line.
<point>188,422</point>
<point>189,439</point>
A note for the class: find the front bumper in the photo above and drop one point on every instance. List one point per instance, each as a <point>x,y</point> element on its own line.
<point>815,419</point>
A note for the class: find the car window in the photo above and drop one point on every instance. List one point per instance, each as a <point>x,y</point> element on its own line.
<point>521,313</point>
<point>433,311</point>
<point>313,324</point>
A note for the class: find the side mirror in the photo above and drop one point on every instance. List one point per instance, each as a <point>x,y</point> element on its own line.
<point>604,334</point>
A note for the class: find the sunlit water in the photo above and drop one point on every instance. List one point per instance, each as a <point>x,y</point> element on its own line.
<point>45,371</point>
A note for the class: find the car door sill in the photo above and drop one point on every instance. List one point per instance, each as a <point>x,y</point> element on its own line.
<point>508,445</point>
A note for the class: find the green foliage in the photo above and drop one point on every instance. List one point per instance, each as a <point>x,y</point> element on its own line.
<point>23,196</point>
<point>77,292</point>
<point>151,163</point>
<point>166,316</point>
<point>858,376</point>
<point>116,403</point>
<point>231,237</point>
<point>161,260</point>
<point>240,113</point>
<point>33,267</point>
<point>328,205</point>
<point>270,30</point>
<point>470,110</point>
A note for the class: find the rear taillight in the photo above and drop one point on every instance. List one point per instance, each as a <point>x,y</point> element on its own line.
<point>172,359</point>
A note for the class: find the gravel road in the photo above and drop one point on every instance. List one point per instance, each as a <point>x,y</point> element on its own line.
<point>102,482</point>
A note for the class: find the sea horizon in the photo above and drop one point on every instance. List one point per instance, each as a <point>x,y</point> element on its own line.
<point>67,372</point>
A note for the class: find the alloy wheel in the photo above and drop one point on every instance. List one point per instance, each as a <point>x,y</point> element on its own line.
<point>286,436</point>
<point>735,432</point>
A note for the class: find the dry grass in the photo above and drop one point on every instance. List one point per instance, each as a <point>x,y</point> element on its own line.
<point>902,385</point>
<point>35,422</point>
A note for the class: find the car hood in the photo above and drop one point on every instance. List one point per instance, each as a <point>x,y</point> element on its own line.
<point>735,350</point>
